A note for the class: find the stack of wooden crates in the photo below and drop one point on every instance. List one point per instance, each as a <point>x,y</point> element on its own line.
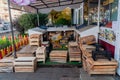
<point>41,54</point>
<point>74,52</point>
<point>25,64</point>
<point>35,39</point>
<point>101,66</point>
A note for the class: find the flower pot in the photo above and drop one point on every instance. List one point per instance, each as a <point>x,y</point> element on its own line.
<point>18,45</point>
<point>8,50</point>
<point>21,42</point>
<point>5,51</point>
<point>10,47</point>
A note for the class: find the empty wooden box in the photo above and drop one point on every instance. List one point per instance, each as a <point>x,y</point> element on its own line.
<point>41,54</point>
<point>35,39</point>
<point>6,65</point>
<point>101,66</point>
<point>58,56</point>
<point>74,54</point>
<point>27,51</point>
<point>25,64</point>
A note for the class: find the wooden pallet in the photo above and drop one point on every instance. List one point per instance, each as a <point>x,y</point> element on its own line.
<point>41,54</point>
<point>101,66</point>
<point>25,64</point>
<point>27,51</point>
<point>58,56</point>
<point>35,40</point>
<point>6,64</point>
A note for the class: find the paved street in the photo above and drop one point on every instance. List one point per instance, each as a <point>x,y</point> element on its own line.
<point>8,33</point>
<point>55,73</point>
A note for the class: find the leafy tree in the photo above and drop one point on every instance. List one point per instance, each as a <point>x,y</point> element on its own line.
<point>27,21</point>
<point>43,19</point>
<point>63,21</point>
<point>61,17</point>
<point>17,26</point>
<point>54,15</point>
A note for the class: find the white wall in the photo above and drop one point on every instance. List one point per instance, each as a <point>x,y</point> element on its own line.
<point>47,10</point>
<point>92,31</point>
<point>117,43</point>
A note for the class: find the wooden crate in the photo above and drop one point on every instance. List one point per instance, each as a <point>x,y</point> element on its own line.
<point>6,64</point>
<point>25,64</point>
<point>86,53</point>
<point>41,54</point>
<point>58,56</point>
<point>74,54</point>
<point>35,40</point>
<point>91,39</point>
<point>101,66</point>
<point>27,51</point>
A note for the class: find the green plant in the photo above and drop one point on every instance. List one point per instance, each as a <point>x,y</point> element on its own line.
<point>63,21</point>
<point>43,19</point>
<point>17,26</point>
<point>4,43</point>
<point>27,21</point>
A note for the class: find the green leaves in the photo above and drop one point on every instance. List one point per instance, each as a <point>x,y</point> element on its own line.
<point>26,22</point>
<point>4,43</point>
<point>29,20</point>
<point>61,17</point>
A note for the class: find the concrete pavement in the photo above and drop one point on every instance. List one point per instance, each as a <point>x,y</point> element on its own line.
<point>56,73</point>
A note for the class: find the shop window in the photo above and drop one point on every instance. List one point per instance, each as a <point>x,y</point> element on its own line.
<point>108,12</point>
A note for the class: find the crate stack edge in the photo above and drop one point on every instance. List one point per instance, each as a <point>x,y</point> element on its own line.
<point>41,54</point>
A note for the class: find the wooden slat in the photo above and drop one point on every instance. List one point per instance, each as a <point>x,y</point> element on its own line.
<point>103,62</point>
<point>105,67</point>
<point>24,69</point>
<point>26,51</point>
<point>23,63</point>
<point>100,72</point>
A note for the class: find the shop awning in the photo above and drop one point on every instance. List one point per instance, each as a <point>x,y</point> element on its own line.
<point>41,4</point>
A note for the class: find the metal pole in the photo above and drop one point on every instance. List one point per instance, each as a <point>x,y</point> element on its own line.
<point>38,18</point>
<point>11,26</point>
<point>88,13</point>
<point>98,23</point>
<point>99,1</point>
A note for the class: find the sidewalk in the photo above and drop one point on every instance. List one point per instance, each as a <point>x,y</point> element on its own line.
<point>85,76</point>
<point>56,73</point>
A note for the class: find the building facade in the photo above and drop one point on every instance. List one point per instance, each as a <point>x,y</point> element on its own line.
<point>4,15</point>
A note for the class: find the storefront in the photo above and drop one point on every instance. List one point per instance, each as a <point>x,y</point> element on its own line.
<point>104,15</point>
<point>109,25</point>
